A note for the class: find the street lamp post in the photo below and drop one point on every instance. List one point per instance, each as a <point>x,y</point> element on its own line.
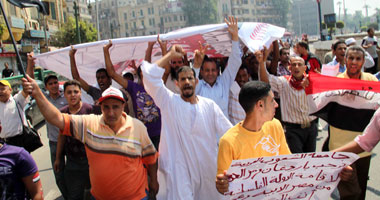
<point>76,14</point>
<point>320,19</point>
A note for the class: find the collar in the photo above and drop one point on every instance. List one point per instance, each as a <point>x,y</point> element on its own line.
<point>203,82</point>
<point>346,76</point>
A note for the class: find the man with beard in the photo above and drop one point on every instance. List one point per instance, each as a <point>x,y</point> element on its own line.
<point>76,174</point>
<point>356,187</point>
<point>235,111</point>
<point>212,85</point>
<point>191,128</point>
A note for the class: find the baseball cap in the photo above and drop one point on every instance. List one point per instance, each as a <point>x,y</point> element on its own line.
<point>112,92</point>
<point>349,41</point>
<point>6,83</point>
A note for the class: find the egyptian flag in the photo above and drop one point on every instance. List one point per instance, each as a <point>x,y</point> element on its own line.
<point>347,104</point>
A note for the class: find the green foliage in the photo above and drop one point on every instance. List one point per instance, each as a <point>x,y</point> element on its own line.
<point>2,28</point>
<point>200,12</point>
<point>282,6</point>
<point>374,26</point>
<point>363,28</point>
<point>67,36</point>
<point>324,25</point>
<point>340,24</point>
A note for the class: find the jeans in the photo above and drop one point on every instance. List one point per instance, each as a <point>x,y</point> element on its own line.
<point>59,176</point>
<point>77,178</point>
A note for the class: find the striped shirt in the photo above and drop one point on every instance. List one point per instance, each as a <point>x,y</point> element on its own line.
<point>236,113</point>
<point>115,159</point>
<point>294,105</point>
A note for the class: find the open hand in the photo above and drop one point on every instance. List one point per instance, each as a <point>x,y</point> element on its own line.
<point>107,46</point>
<point>199,54</point>
<point>233,29</point>
<point>72,51</point>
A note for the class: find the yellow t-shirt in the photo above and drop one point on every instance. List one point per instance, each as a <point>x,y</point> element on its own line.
<point>364,76</point>
<point>238,143</point>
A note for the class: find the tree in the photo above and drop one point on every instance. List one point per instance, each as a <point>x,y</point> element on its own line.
<point>373,25</point>
<point>200,12</point>
<point>363,28</point>
<point>340,25</point>
<point>3,28</point>
<point>324,25</point>
<point>66,35</point>
<point>282,6</point>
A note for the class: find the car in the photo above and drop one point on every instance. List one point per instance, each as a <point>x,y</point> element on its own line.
<point>32,112</point>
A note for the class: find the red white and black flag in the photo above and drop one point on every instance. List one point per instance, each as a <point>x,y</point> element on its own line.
<point>347,104</point>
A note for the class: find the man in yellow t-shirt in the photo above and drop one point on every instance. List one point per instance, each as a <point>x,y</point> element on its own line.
<point>258,135</point>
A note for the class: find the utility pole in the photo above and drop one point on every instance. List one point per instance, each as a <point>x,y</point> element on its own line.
<point>111,30</point>
<point>320,19</point>
<point>76,14</point>
<point>339,4</point>
<point>97,18</point>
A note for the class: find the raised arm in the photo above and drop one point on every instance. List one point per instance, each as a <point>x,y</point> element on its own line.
<point>164,51</point>
<point>109,66</point>
<point>30,65</point>
<point>48,110</point>
<point>74,70</point>
<point>199,55</point>
<point>262,69</point>
<point>234,60</point>
<point>276,57</point>
<point>148,52</point>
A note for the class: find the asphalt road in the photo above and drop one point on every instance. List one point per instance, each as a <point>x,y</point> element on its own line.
<point>51,192</point>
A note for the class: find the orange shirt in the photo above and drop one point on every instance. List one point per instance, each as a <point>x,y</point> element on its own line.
<point>115,159</point>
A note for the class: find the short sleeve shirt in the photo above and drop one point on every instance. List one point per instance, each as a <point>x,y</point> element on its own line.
<point>15,164</point>
<point>145,109</point>
<point>115,159</point>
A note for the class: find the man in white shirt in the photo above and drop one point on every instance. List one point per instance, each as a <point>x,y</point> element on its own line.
<point>10,106</point>
<point>212,85</point>
<point>370,44</point>
<point>191,128</point>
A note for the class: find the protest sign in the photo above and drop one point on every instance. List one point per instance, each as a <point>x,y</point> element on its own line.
<point>294,176</point>
<point>330,70</point>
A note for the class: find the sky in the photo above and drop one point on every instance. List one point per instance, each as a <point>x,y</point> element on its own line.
<point>353,5</point>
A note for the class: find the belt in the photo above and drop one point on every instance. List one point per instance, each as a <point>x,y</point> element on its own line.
<point>303,126</point>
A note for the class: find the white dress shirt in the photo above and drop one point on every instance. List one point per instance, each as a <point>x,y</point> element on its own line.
<point>219,92</point>
<point>9,118</point>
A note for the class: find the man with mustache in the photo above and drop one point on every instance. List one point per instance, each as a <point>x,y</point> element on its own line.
<point>300,128</point>
<point>212,85</point>
<point>191,128</point>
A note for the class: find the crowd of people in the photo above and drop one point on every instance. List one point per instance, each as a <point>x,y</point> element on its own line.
<point>181,120</point>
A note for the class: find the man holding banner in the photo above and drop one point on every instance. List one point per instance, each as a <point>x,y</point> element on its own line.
<point>342,122</point>
<point>191,128</point>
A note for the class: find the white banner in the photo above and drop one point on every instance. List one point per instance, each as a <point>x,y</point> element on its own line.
<point>294,176</point>
<point>89,56</point>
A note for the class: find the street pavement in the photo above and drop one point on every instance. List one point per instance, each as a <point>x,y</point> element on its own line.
<point>51,192</point>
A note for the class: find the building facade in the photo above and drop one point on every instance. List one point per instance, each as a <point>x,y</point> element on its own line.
<point>305,15</point>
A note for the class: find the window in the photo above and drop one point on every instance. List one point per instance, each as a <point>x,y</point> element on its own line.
<point>133,14</point>
<point>134,25</point>
<point>126,26</point>
<point>170,19</point>
<point>245,11</point>
<point>141,13</point>
<point>153,22</point>
<point>142,22</point>
<point>150,22</point>
<point>52,11</point>
<point>149,11</point>
<point>152,10</point>
<point>125,16</point>
<point>180,18</point>
<point>175,18</point>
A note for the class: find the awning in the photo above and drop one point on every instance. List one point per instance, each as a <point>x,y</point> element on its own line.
<point>7,55</point>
